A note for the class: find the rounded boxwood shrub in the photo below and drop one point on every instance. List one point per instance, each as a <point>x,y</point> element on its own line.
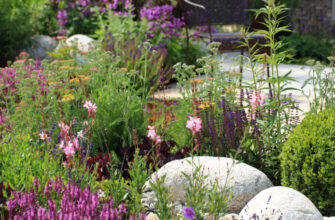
<point>308,160</point>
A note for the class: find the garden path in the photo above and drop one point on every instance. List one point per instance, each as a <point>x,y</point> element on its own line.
<point>299,73</point>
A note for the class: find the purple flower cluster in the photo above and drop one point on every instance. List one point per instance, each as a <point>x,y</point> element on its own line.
<point>40,77</point>
<point>189,213</point>
<point>74,203</point>
<point>85,9</point>
<point>201,29</point>
<point>226,131</point>
<point>61,15</point>
<point>8,78</point>
<point>161,19</point>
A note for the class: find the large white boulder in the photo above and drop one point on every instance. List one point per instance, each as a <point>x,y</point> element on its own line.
<point>280,201</point>
<point>243,180</point>
<point>82,42</point>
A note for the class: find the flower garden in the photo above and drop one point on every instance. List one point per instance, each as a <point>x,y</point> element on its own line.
<point>84,136</point>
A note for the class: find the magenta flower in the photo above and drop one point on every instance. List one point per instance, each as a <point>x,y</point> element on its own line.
<point>188,213</point>
<point>194,124</point>
<point>91,107</point>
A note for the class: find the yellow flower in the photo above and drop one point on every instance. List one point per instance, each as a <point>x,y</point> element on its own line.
<point>67,98</point>
<point>66,67</point>
<point>206,104</point>
<point>20,137</point>
<point>52,83</point>
<point>198,81</point>
<point>123,69</point>
<point>233,73</point>
<point>81,78</point>
<point>22,104</point>
<point>75,79</point>
<point>84,77</point>
<point>65,61</point>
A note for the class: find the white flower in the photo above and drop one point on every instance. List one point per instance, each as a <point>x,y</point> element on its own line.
<point>80,134</point>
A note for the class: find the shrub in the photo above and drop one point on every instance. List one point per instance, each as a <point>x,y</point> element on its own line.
<point>307,47</point>
<point>18,19</point>
<point>307,160</point>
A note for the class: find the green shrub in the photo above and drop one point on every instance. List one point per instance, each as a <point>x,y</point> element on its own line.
<point>306,47</point>
<point>308,160</point>
<point>18,19</point>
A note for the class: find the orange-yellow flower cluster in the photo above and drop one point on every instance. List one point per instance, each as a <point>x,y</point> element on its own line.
<point>206,104</point>
<point>67,98</point>
<point>80,78</point>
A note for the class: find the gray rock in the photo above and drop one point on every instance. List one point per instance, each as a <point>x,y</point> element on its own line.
<point>280,201</point>
<point>40,46</point>
<point>82,42</point>
<point>243,180</point>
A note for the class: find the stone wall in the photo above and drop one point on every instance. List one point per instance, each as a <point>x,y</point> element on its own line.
<point>313,17</point>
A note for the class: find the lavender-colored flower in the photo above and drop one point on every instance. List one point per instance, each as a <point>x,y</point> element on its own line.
<point>47,187</point>
<point>36,183</point>
<point>61,15</point>
<point>188,213</point>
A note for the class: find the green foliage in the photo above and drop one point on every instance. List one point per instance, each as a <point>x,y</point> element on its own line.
<point>305,47</point>
<point>18,19</point>
<point>163,197</point>
<point>119,114</point>
<point>116,186</point>
<point>205,196</point>
<point>21,160</point>
<point>139,174</point>
<point>308,160</point>
<point>322,80</point>
<point>273,126</point>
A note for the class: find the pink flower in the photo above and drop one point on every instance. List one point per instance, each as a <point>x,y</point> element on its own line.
<point>152,135</point>
<point>43,136</point>
<point>91,107</point>
<point>256,100</point>
<point>194,124</point>
<point>62,144</point>
<point>158,139</point>
<point>76,143</point>
<point>69,149</point>
<point>64,128</point>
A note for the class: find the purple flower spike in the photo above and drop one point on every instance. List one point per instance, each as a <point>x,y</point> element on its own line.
<point>188,213</point>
